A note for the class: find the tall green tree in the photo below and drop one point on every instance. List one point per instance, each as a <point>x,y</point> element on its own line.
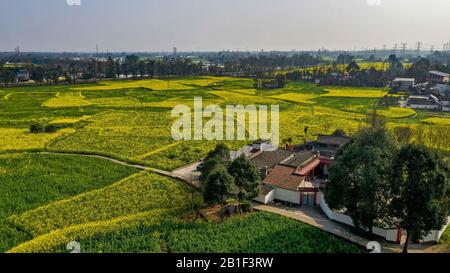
<point>352,67</point>
<point>219,184</point>
<point>359,177</point>
<point>420,185</point>
<point>246,178</point>
<point>219,156</point>
<point>111,68</point>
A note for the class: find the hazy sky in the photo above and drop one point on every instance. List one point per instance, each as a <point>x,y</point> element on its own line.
<point>158,25</point>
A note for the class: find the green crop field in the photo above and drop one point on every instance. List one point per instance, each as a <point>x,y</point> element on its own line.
<point>48,199</point>
<point>160,232</point>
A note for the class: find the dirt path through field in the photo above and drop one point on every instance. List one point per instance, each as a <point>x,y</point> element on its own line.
<point>136,166</point>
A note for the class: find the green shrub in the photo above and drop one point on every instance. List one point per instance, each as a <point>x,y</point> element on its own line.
<point>36,128</point>
<point>51,128</point>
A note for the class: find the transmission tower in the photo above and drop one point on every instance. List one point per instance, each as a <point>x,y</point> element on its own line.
<point>418,47</point>
<point>395,48</point>
<point>404,47</point>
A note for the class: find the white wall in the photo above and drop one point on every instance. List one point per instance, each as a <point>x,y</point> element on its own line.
<point>436,235</point>
<point>338,217</point>
<point>287,196</point>
<point>428,107</point>
<point>389,234</point>
<point>266,199</point>
<point>442,87</point>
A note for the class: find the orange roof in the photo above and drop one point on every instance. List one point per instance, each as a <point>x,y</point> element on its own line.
<point>308,168</point>
<point>284,177</point>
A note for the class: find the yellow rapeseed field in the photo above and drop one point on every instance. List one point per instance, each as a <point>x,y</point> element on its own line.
<point>437,121</point>
<point>355,92</point>
<point>296,97</point>
<point>49,242</point>
<point>13,139</point>
<point>63,100</point>
<point>139,193</point>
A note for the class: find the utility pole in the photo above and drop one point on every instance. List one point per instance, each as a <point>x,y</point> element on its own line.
<point>432,49</point>
<point>418,47</point>
<point>395,48</point>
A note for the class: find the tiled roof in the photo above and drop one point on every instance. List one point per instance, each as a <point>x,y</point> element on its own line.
<point>304,170</point>
<point>335,140</point>
<point>299,159</point>
<point>284,177</point>
<point>270,159</point>
<point>439,73</point>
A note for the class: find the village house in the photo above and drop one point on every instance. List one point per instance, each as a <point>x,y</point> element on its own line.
<point>23,76</point>
<point>437,77</point>
<point>429,102</point>
<point>445,103</point>
<point>402,84</point>
<point>297,177</point>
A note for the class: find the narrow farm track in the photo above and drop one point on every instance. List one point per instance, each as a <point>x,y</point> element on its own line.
<point>136,166</point>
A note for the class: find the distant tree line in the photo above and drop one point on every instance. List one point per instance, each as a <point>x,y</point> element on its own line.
<point>268,63</point>
<point>91,69</point>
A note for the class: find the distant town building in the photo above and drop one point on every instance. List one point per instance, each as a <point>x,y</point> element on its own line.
<point>445,103</point>
<point>429,102</point>
<point>442,87</point>
<point>403,84</point>
<point>436,77</point>
<point>23,76</point>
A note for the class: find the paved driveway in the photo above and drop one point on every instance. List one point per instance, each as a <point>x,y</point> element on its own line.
<point>314,217</point>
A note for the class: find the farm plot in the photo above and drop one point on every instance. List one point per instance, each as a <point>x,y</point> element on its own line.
<point>136,194</point>
<point>355,92</point>
<point>255,233</point>
<point>184,153</point>
<point>396,112</point>
<point>296,97</point>
<point>15,139</point>
<point>242,99</point>
<point>32,180</point>
<point>110,236</point>
<point>258,232</point>
<point>126,135</point>
<point>154,84</point>
<point>68,99</point>
<point>437,121</point>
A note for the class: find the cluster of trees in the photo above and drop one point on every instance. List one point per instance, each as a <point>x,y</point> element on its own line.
<point>37,128</point>
<point>136,67</point>
<point>267,63</point>
<point>91,69</point>
<point>269,82</point>
<point>222,177</point>
<point>345,71</point>
<point>381,183</point>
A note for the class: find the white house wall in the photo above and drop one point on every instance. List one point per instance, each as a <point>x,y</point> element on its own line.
<point>266,199</point>
<point>287,196</point>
